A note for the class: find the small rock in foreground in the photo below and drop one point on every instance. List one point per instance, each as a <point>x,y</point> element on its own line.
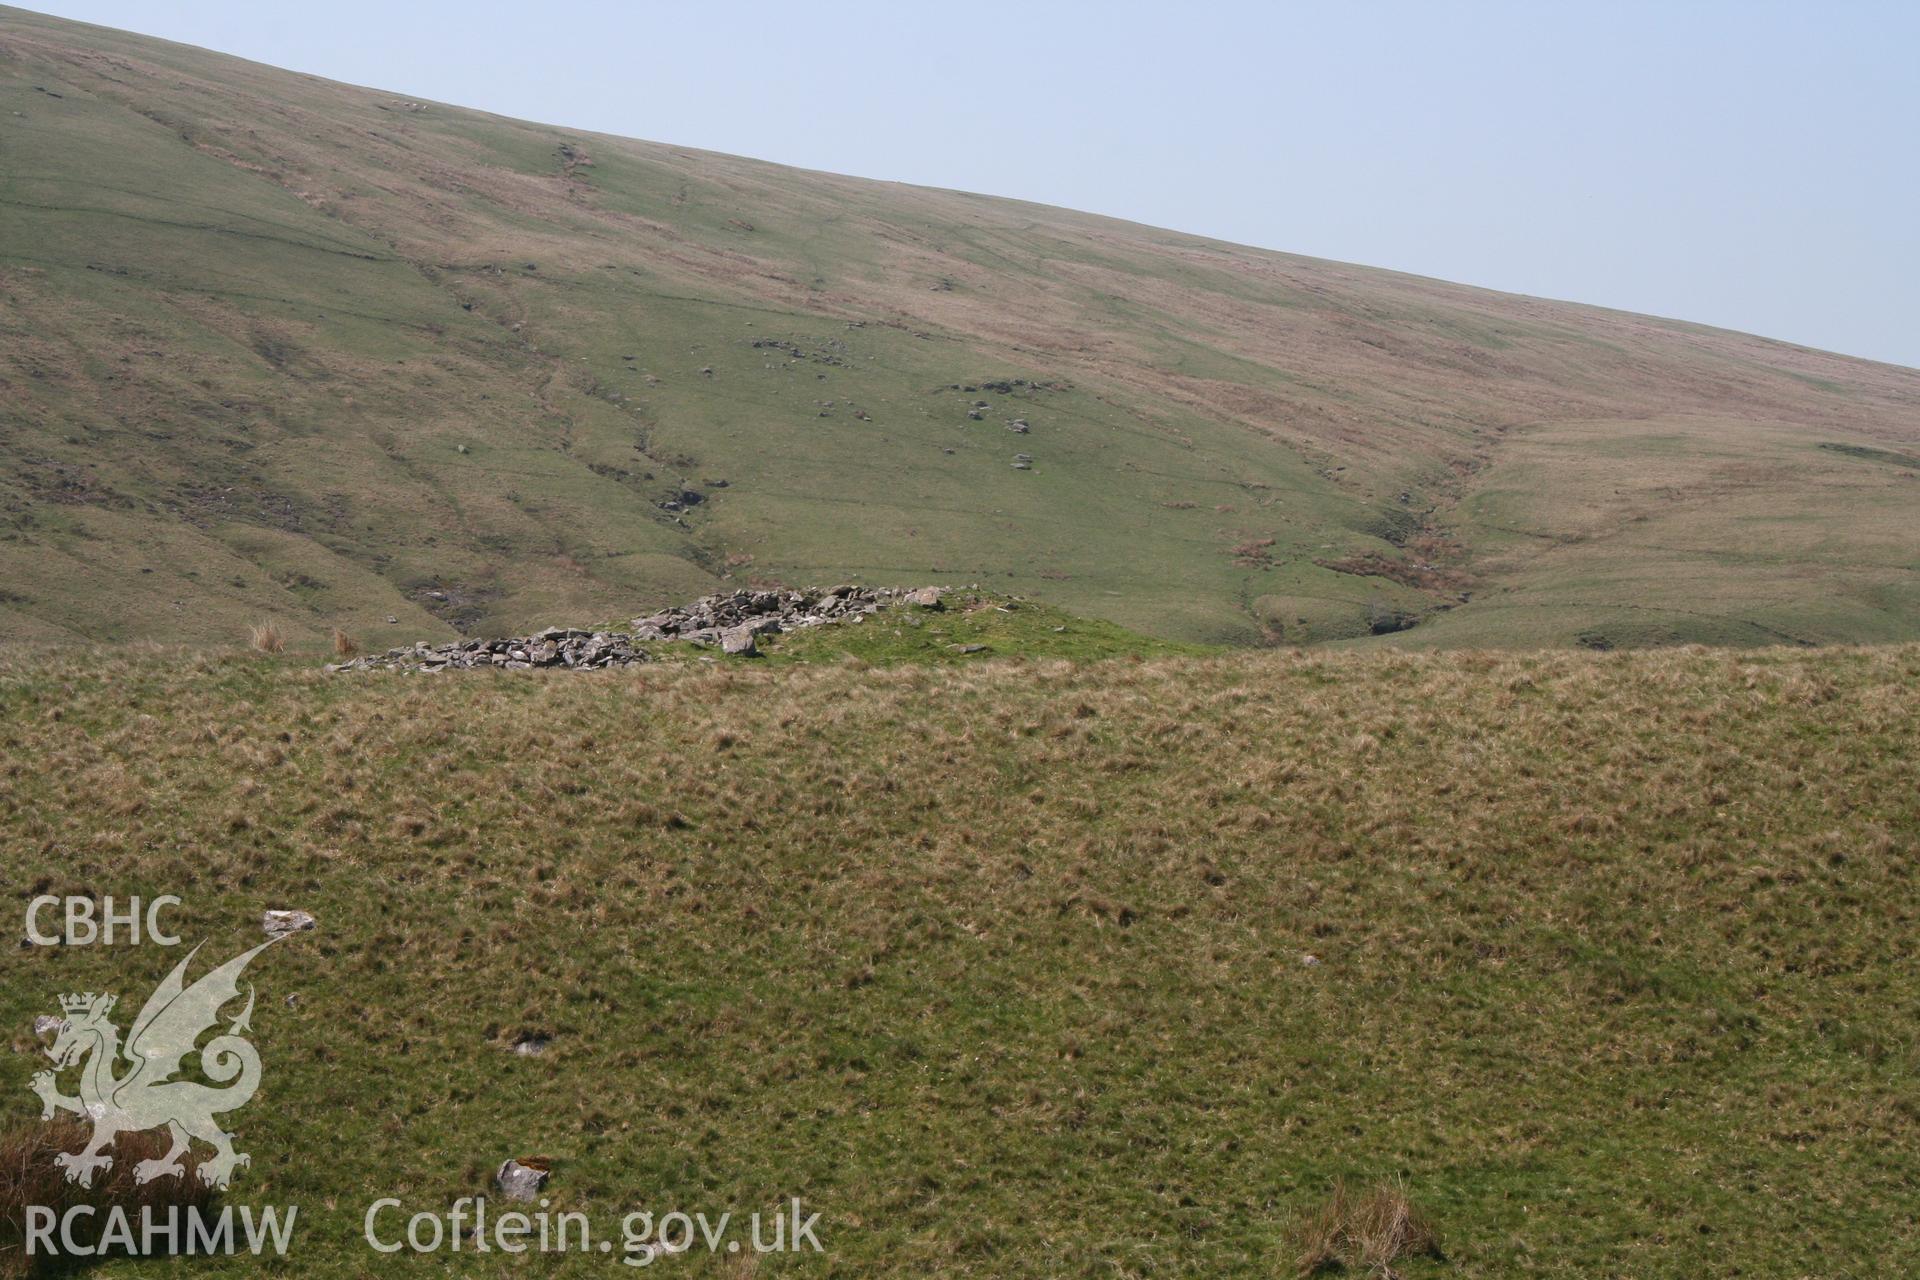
<point>523,1178</point>
<point>278,924</point>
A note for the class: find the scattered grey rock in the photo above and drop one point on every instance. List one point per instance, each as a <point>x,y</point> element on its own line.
<point>571,647</point>
<point>731,619</point>
<point>523,1178</point>
<point>531,1044</point>
<point>277,924</point>
<point>707,621</point>
<point>968,648</point>
<point>1310,960</point>
<point>47,1024</point>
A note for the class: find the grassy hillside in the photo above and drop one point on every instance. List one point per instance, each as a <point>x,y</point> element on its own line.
<point>276,347</point>
<point>1003,967</point>
<point>969,628</point>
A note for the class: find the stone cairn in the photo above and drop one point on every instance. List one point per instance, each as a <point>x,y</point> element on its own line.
<point>731,621</point>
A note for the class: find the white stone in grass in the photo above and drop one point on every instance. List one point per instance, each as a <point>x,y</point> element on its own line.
<point>277,924</point>
<point>520,1181</point>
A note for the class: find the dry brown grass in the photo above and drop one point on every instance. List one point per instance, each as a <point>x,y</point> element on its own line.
<point>1375,1229</point>
<point>1318,1237</point>
<point>266,637</point>
<point>1415,572</point>
<point>28,1176</point>
<point>344,645</point>
<point>1388,1227</point>
<point>1253,553</point>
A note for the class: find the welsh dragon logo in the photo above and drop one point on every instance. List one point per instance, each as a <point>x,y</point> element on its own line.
<point>145,1095</point>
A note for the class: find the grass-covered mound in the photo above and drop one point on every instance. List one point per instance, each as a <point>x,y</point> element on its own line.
<point>1003,967</point>
<point>968,626</point>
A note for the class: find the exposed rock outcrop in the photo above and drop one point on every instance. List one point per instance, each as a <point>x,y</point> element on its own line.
<point>523,1178</point>
<point>555,647</point>
<point>733,621</point>
<point>709,620</point>
<point>277,924</point>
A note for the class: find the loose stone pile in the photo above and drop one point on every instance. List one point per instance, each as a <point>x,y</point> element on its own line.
<point>732,621</point>
<point>762,612</point>
<point>554,647</point>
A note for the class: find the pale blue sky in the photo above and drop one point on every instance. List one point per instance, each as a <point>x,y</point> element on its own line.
<point>1753,165</point>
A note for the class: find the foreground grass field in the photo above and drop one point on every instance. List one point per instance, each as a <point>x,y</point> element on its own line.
<point>1003,967</point>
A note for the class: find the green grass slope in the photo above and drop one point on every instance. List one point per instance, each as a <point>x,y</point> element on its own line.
<point>276,347</point>
<point>1001,966</point>
<point>969,627</point>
